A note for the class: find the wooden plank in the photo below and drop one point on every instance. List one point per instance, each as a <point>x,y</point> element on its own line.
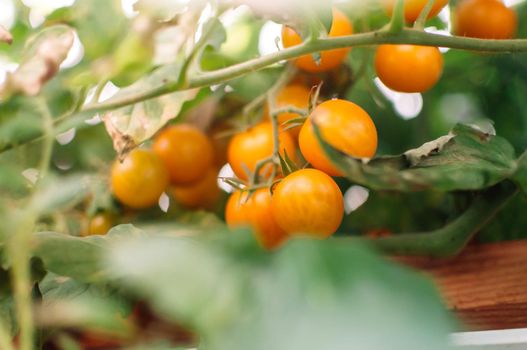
<point>486,285</point>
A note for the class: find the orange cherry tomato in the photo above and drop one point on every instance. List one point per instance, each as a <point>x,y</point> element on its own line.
<point>255,144</point>
<point>308,202</point>
<point>408,68</point>
<point>100,224</point>
<point>256,212</point>
<point>236,212</point>
<point>292,95</point>
<point>186,152</point>
<point>412,8</point>
<point>140,179</point>
<point>329,59</point>
<point>202,194</point>
<point>345,126</point>
<point>485,19</point>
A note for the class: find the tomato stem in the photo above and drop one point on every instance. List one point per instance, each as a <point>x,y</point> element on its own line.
<point>452,238</point>
<point>423,15</point>
<point>405,36</point>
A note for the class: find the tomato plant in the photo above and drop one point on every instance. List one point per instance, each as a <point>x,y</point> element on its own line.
<point>186,152</point>
<point>345,126</point>
<point>139,179</point>
<point>247,148</point>
<point>308,202</point>
<point>340,26</point>
<point>206,174</point>
<point>408,68</point>
<point>486,19</point>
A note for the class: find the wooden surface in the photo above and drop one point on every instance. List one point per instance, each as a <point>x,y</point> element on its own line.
<point>486,285</point>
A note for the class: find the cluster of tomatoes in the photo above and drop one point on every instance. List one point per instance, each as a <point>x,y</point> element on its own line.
<point>281,204</point>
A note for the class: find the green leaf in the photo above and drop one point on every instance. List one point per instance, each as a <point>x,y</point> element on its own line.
<point>130,126</point>
<point>60,192</point>
<point>43,54</point>
<point>240,298</point>
<point>466,159</point>
<point>75,257</point>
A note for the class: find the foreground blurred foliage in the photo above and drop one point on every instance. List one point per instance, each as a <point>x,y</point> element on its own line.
<point>198,283</point>
<point>226,289</point>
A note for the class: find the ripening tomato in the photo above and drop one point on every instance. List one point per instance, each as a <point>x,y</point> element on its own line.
<point>248,147</point>
<point>202,194</point>
<point>485,19</point>
<point>140,179</point>
<point>292,95</point>
<point>186,152</point>
<point>412,8</point>
<point>256,212</point>
<point>329,59</point>
<point>100,224</point>
<point>345,126</point>
<point>408,68</point>
<point>308,202</point>
<point>236,213</point>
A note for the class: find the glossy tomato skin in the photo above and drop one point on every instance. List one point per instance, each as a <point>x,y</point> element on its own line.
<point>295,95</point>
<point>100,224</point>
<point>485,19</point>
<point>186,152</point>
<point>412,8</point>
<point>345,126</point>
<point>256,212</point>
<point>308,202</point>
<point>255,144</point>
<point>408,68</point>
<point>139,180</point>
<point>202,194</point>
<point>340,26</point>
<point>236,212</point>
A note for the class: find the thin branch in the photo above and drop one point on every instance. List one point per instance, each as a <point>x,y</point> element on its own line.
<point>405,36</point>
<point>423,15</point>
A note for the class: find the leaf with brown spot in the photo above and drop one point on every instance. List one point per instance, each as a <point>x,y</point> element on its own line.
<point>41,60</point>
<point>5,35</point>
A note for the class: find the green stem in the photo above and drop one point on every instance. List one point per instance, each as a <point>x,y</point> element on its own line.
<point>423,15</point>
<point>5,337</point>
<point>405,36</point>
<point>452,238</point>
<point>397,22</point>
<point>20,243</point>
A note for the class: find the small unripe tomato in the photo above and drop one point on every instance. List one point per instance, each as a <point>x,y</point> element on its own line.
<point>308,202</point>
<point>329,59</point>
<point>256,212</point>
<point>140,179</point>
<point>408,68</point>
<point>342,124</point>
<point>202,194</point>
<point>255,144</point>
<point>412,8</point>
<point>485,19</point>
<point>186,152</point>
<point>292,95</point>
<point>100,224</point>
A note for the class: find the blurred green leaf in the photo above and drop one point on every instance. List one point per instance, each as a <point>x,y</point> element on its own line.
<point>466,159</point>
<point>239,298</point>
<point>78,258</point>
<point>57,193</point>
<point>129,126</point>
<point>41,58</point>
<point>521,173</point>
